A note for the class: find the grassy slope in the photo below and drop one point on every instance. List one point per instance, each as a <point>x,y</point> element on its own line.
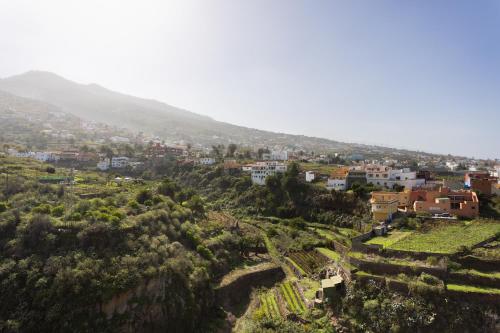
<point>389,239</point>
<point>448,238</point>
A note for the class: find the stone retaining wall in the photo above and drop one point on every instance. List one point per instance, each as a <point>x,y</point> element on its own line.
<point>393,269</point>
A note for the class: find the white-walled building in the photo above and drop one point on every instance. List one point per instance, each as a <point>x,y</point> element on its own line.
<point>336,184</point>
<point>119,139</point>
<point>310,176</point>
<point>119,162</point>
<point>45,156</point>
<point>276,155</point>
<point>261,170</point>
<point>206,160</point>
<point>385,176</point>
<point>21,154</point>
<point>452,165</point>
<point>103,165</point>
<point>246,168</point>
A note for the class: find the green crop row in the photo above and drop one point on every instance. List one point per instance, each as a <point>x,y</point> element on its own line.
<point>292,298</point>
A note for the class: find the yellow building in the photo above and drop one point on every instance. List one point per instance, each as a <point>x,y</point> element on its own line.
<point>385,204</point>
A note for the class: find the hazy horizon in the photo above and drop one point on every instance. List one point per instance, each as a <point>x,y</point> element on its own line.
<point>416,76</point>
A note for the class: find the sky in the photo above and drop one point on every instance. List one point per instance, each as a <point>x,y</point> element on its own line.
<point>423,75</point>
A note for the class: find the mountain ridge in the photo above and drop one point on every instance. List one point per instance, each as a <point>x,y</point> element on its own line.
<point>97,103</point>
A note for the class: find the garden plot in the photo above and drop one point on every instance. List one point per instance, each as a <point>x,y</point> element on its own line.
<point>269,305</point>
<point>308,261</point>
<point>292,298</point>
<point>389,239</point>
<point>448,238</point>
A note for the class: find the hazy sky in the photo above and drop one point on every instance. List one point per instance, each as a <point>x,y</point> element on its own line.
<point>417,74</point>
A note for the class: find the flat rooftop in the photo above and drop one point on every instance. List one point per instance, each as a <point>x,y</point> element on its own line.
<point>331,282</point>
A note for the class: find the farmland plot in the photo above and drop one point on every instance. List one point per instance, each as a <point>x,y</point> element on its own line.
<point>308,261</point>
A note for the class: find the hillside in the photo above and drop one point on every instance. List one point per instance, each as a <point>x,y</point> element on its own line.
<point>96,103</point>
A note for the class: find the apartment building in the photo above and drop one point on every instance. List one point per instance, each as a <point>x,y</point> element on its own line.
<point>261,170</point>
<point>119,162</point>
<point>388,177</point>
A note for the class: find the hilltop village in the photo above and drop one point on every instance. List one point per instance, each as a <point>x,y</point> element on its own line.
<point>127,232</point>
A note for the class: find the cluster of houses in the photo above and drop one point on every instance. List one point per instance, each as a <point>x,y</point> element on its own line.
<point>75,156</point>
<point>435,199</point>
<point>345,177</point>
<point>55,156</point>
<point>438,201</point>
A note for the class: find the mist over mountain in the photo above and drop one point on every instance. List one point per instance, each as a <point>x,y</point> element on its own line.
<point>95,103</point>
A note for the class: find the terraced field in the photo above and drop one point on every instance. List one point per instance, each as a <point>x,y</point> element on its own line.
<point>389,239</point>
<point>448,238</point>
<point>269,305</point>
<point>291,295</point>
<point>308,261</point>
<point>329,253</point>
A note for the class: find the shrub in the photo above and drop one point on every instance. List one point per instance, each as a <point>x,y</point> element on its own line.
<point>42,209</point>
<point>204,252</point>
<point>429,279</point>
<point>57,211</point>
<point>432,260</point>
<point>143,195</point>
<point>133,204</point>
<point>3,207</point>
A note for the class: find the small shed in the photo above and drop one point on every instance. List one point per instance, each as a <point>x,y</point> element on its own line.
<point>330,289</point>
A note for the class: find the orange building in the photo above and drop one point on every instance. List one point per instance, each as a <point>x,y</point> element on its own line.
<point>443,200</point>
<point>461,203</point>
<point>480,181</point>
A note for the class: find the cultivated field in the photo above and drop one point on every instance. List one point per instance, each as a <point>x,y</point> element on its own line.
<point>329,253</point>
<point>308,261</point>
<point>389,239</point>
<point>279,301</point>
<point>269,305</point>
<point>292,297</point>
<point>448,238</point>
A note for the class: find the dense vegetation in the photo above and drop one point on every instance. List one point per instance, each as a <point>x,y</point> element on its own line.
<point>63,258</point>
<point>285,196</point>
<point>101,254</point>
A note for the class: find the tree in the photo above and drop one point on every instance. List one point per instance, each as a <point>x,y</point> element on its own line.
<point>168,188</point>
<point>144,195</point>
<point>262,151</point>
<point>231,149</point>
<point>106,150</point>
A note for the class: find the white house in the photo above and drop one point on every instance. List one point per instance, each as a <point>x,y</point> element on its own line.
<point>103,164</point>
<point>21,154</point>
<point>45,156</point>
<point>452,165</point>
<point>119,139</point>
<point>387,177</point>
<point>261,170</point>
<point>206,160</point>
<point>310,176</point>
<point>119,162</point>
<point>246,168</point>
<point>276,155</point>
<point>336,184</point>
